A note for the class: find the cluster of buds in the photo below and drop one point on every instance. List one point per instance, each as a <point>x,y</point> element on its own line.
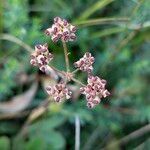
<point>41,57</point>
<point>85,63</point>
<point>61,29</point>
<point>94,91</point>
<point>59,92</point>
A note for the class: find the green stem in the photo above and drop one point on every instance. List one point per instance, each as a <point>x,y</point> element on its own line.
<point>75,71</point>
<point>66,56</point>
<point>13,39</point>
<point>58,71</point>
<point>77,81</point>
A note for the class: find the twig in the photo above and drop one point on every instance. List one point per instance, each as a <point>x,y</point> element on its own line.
<point>142,145</point>
<point>92,22</point>
<point>57,70</point>
<point>77,132</point>
<point>75,71</point>
<point>77,81</point>
<point>135,26</point>
<point>14,116</point>
<point>130,137</point>
<point>66,56</point>
<point>11,38</point>
<point>127,39</point>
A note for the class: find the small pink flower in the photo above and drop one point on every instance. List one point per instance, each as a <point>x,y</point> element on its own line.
<point>94,91</point>
<point>61,29</point>
<point>85,63</point>
<point>41,57</point>
<point>59,92</point>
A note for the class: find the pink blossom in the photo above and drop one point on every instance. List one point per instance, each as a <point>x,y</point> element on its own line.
<point>41,57</point>
<point>61,29</point>
<point>94,91</point>
<point>59,92</point>
<point>85,63</point>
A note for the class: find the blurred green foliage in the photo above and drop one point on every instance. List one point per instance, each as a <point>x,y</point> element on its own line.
<point>122,57</point>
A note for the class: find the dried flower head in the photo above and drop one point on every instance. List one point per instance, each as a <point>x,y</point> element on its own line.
<point>41,57</point>
<point>95,88</point>
<point>59,92</point>
<point>94,91</point>
<point>61,29</point>
<point>85,63</point>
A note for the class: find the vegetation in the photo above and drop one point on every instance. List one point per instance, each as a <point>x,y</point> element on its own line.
<point>116,33</point>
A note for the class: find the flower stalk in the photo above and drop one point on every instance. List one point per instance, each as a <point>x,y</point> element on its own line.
<point>94,90</point>
<point>66,56</point>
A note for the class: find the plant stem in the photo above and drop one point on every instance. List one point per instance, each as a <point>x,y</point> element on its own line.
<point>66,56</point>
<point>128,138</point>
<point>77,133</point>
<point>57,70</point>
<point>13,39</point>
<point>77,81</point>
<point>75,71</point>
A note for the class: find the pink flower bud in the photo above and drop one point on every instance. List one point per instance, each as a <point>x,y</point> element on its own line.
<point>85,63</point>
<point>56,19</point>
<point>41,57</point>
<point>48,31</point>
<point>54,38</point>
<point>59,92</point>
<point>105,93</point>
<point>72,28</point>
<point>61,29</point>
<point>90,105</point>
<point>94,90</point>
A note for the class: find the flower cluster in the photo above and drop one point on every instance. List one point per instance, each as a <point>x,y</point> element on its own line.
<point>85,63</point>
<point>95,88</point>
<point>94,91</point>
<point>61,29</point>
<point>41,57</point>
<point>59,92</point>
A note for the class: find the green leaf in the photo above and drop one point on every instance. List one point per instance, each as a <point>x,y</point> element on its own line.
<point>48,139</point>
<point>54,139</point>
<point>36,143</point>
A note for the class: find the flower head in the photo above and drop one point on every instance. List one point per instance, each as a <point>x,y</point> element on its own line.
<point>94,91</point>
<point>59,92</point>
<point>61,29</point>
<point>85,63</point>
<point>41,57</point>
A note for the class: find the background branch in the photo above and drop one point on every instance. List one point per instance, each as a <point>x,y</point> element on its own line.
<point>13,39</point>
<point>136,134</point>
<point>77,132</point>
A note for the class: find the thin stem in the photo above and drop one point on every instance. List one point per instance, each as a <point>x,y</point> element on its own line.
<point>77,133</point>
<point>57,70</point>
<point>13,39</point>
<point>100,21</point>
<point>77,81</point>
<point>66,56</point>
<point>128,138</point>
<point>75,71</point>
